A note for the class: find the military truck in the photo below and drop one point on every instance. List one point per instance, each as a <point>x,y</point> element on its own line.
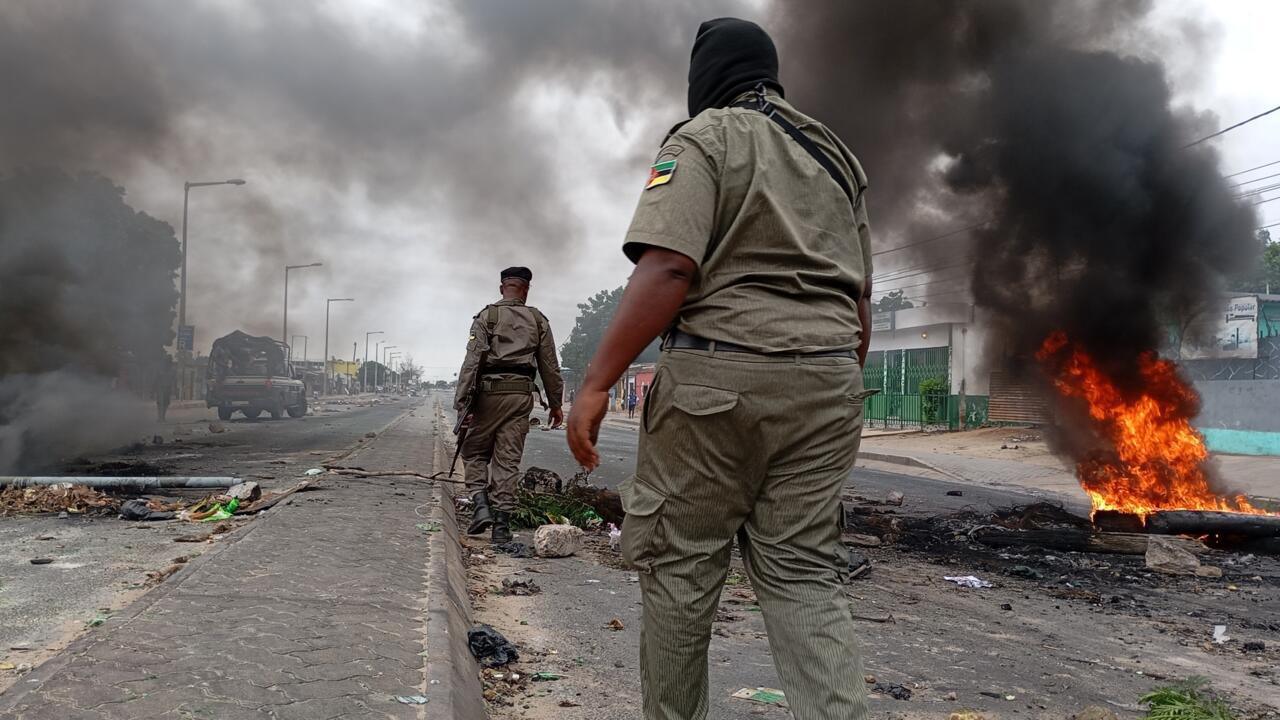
<point>253,375</point>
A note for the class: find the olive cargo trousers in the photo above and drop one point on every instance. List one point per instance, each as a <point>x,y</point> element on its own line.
<point>736,442</point>
<point>494,445</point>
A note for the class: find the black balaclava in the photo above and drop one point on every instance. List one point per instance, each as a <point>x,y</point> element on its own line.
<point>730,56</point>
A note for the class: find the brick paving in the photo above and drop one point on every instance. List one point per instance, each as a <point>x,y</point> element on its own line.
<point>317,611</point>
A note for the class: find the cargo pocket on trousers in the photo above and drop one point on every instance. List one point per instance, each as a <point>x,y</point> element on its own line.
<point>643,536</point>
<point>704,400</point>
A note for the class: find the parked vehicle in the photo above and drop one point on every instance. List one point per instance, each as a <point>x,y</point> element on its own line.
<point>253,375</point>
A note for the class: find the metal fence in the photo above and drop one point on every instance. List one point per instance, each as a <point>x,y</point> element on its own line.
<point>924,411</point>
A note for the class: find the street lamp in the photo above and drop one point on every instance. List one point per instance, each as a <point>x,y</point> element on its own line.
<point>304,347</point>
<point>364,371</point>
<point>285,333</point>
<point>393,357</point>
<point>385,348</point>
<point>186,196</point>
<point>327,303</point>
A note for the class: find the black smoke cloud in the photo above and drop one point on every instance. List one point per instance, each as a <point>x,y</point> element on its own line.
<point>1052,123</point>
<point>329,112</point>
<point>431,113</point>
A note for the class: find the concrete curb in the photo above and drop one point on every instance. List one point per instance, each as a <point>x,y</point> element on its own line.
<point>910,462</point>
<point>453,676</point>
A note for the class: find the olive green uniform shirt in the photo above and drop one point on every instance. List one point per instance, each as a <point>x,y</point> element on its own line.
<point>783,256</point>
<point>521,338</point>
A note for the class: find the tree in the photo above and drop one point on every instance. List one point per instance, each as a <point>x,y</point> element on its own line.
<point>409,371</point>
<point>88,282</point>
<point>594,316</point>
<point>892,301</point>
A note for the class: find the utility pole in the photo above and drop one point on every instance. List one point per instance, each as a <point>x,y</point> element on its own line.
<point>387,370</point>
<point>182,286</point>
<point>284,334</point>
<point>364,369</point>
<point>327,303</point>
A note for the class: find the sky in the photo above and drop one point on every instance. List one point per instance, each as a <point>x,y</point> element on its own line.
<point>415,149</point>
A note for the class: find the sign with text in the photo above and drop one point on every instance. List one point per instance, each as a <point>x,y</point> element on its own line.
<point>186,338</point>
<point>881,321</point>
<point>1231,332</point>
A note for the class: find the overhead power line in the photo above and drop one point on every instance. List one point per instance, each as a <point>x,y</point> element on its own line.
<point>929,240</point>
<point>1263,202</point>
<point>1264,227</point>
<point>1242,172</point>
<point>1250,182</point>
<point>1225,130</point>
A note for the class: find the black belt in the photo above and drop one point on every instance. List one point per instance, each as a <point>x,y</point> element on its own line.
<point>679,340</point>
<point>524,370</point>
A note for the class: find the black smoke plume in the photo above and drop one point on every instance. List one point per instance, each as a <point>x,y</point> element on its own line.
<point>1053,124</point>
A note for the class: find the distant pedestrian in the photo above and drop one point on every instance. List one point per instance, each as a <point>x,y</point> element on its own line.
<point>631,403</point>
<point>753,257</point>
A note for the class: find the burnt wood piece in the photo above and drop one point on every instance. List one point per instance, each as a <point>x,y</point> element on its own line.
<point>1079,541</point>
<point>1209,522</point>
<point>1117,521</point>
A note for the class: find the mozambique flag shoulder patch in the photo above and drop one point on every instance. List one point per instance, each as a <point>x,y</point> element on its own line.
<point>660,173</point>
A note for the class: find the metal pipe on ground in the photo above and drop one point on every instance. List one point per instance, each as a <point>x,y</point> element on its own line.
<point>117,483</point>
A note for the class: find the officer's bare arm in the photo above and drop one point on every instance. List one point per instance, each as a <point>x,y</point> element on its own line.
<point>864,319</point>
<point>653,296</point>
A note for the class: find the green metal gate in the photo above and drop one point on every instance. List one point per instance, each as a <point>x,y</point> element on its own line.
<point>915,387</point>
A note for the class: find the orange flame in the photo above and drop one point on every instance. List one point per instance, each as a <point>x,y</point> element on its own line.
<point>1156,460</point>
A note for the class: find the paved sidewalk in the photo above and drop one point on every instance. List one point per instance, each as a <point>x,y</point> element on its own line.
<point>316,611</point>
<point>1018,459</point>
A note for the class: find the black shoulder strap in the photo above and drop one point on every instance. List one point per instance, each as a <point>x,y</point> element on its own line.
<point>760,104</point>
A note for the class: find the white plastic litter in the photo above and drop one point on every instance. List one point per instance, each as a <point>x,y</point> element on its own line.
<point>1220,634</point>
<point>968,581</point>
<point>615,536</point>
<point>313,472</point>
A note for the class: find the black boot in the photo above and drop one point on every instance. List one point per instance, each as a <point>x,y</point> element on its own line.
<point>481,516</point>
<point>501,528</point>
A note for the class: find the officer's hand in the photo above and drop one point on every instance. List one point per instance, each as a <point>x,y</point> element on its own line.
<point>584,427</point>
<point>555,417</point>
<point>468,421</point>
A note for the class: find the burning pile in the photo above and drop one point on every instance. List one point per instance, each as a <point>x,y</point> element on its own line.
<point>1150,457</point>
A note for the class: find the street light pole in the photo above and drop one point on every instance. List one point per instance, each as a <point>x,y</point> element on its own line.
<point>182,288</point>
<point>364,370</point>
<point>390,359</point>
<point>285,333</point>
<point>327,303</point>
<point>385,348</point>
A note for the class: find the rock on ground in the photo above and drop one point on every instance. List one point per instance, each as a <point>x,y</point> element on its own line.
<point>557,540</point>
<point>1166,557</point>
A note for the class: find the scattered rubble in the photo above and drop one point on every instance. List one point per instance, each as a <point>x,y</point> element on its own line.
<point>968,581</point>
<point>1163,555</point>
<point>762,695</point>
<point>519,587</point>
<point>554,541</point>
<point>245,492</point>
<point>614,625</point>
<point>893,690</point>
<point>138,509</point>
<point>490,648</point>
<point>65,497</point>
